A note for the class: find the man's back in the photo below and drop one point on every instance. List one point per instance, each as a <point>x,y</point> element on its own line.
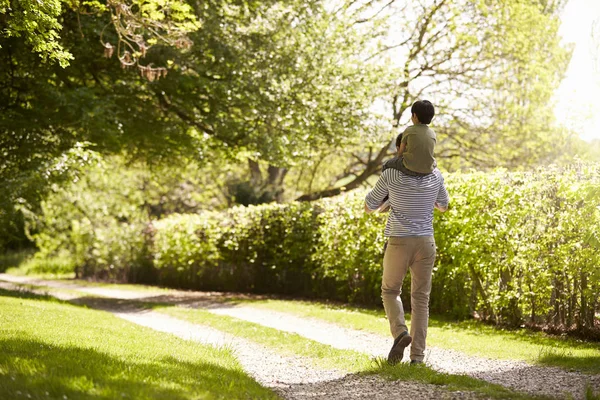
<point>412,200</point>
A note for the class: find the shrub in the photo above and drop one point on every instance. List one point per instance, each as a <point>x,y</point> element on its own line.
<point>514,248</point>
<point>185,249</point>
<point>349,250</point>
<point>14,259</point>
<point>61,265</point>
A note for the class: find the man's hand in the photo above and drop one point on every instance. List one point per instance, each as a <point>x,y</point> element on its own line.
<point>385,207</point>
<point>439,207</point>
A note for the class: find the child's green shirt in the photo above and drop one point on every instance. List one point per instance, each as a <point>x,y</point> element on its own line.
<point>420,145</point>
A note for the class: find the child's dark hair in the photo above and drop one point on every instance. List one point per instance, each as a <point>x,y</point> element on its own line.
<point>399,140</point>
<point>424,111</point>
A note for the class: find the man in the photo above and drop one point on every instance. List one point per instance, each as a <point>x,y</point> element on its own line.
<point>411,246</point>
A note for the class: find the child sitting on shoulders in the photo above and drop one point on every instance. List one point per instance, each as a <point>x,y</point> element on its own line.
<point>415,146</point>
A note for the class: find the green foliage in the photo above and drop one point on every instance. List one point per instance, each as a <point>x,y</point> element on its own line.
<point>350,247</point>
<point>38,22</point>
<point>14,259</point>
<point>135,22</point>
<point>520,247</point>
<point>264,249</point>
<point>271,80</point>
<point>185,248</point>
<point>514,248</point>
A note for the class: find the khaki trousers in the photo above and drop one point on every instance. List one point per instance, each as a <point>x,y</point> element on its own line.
<point>416,253</point>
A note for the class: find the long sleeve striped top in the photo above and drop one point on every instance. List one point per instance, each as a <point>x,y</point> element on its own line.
<point>411,198</point>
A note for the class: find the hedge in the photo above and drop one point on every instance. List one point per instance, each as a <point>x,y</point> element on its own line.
<point>514,248</point>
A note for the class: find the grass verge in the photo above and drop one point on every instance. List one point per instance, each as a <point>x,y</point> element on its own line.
<point>50,349</point>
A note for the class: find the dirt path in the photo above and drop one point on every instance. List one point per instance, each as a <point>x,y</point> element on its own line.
<point>290,377</point>
<point>518,375</point>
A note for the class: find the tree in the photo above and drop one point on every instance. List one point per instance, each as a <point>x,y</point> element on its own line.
<point>271,80</point>
<point>490,78</point>
<point>136,23</point>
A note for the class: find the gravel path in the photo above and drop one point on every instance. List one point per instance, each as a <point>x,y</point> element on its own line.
<point>290,377</point>
<point>518,375</point>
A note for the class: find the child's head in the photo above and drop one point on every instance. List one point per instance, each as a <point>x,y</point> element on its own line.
<point>423,110</point>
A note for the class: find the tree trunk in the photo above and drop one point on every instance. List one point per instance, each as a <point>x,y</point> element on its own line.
<point>269,187</point>
<point>255,173</point>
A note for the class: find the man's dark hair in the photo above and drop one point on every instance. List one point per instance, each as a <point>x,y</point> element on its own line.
<point>399,140</point>
<point>424,111</point>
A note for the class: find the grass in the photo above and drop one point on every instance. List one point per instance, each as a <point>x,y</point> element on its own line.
<point>471,337</point>
<point>324,356</point>
<point>66,278</point>
<point>53,350</point>
<point>590,395</point>
<point>119,286</point>
<point>285,343</point>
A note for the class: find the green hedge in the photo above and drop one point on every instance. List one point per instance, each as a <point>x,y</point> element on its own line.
<point>514,248</point>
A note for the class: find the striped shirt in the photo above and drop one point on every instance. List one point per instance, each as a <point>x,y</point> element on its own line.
<point>411,199</point>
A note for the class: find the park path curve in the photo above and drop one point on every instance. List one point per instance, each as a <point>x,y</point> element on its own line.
<point>293,378</point>
<point>517,375</point>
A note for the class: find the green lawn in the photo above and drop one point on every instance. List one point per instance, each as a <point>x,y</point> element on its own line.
<point>53,350</point>
<point>471,337</point>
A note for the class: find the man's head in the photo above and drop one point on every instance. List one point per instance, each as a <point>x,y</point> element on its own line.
<point>423,111</point>
<point>398,141</point>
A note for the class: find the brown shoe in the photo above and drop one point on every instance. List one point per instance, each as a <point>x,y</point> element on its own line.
<point>397,351</point>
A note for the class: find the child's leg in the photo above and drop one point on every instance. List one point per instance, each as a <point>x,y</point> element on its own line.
<point>402,168</point>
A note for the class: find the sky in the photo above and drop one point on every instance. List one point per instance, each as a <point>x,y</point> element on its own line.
<point>578,97</point>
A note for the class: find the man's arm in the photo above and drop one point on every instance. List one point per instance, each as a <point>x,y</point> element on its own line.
<point>442,200</point>
<point>376,197</point>
<point>441,208</point>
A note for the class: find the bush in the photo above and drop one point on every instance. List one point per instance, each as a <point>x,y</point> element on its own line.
<point>264,249</point>
<point>349,250</point>
<point>514,248</point>
<point>60,265</point>
<point>13,259</point>
<point>185,249</point>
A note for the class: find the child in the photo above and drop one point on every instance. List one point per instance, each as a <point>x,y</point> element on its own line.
<point>415,146</point>
<point>417,143</point>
